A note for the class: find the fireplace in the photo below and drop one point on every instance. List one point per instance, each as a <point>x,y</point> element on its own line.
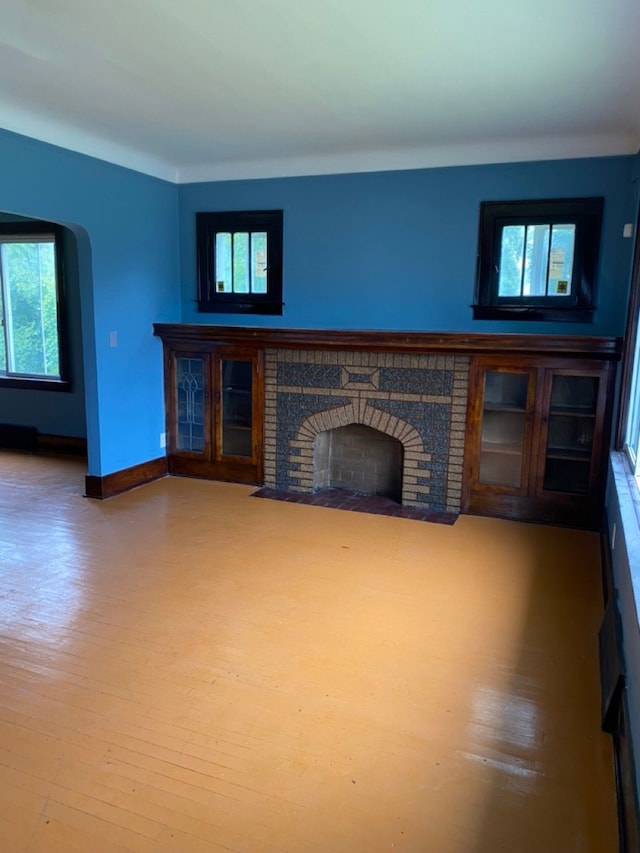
<point>359,459</point>
<point>416,404</point>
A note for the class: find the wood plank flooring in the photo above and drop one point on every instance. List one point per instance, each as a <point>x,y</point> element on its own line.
<point>188,669</point>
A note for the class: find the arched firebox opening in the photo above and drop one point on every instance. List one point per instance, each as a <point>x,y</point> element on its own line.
<point>359,459</point>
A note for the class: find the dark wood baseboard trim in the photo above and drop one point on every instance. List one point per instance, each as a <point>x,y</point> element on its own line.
<point>18,437</point>
<point>128,478</point>
<point>66,444</point>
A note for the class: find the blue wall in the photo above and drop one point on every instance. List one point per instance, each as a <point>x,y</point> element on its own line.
<point>126,230</point>
<point>397,250</point>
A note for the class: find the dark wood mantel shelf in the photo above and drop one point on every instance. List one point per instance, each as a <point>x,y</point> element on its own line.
<point>584,346</point>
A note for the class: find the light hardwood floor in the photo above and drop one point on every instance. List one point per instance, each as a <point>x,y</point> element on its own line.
<point>187,668</point>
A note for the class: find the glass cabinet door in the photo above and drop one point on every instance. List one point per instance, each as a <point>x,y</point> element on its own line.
<point>236,407</point>
<point>215,429</point>
<point>571,426</point>
<point>190,395</point>
<point>504,418</point>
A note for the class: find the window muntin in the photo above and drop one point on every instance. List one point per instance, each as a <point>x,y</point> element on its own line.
<point>30,287</point>
<point>538,259</point>
<point>240,262</point>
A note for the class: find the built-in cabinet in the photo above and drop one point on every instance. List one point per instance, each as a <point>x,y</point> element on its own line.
<point>537,422</point>
<point>537,429</point>
<point>215,412</point>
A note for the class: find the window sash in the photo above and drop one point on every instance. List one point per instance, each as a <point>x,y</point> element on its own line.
<point>240,260</point>
<point>29,309</point>
<point>534,261</point>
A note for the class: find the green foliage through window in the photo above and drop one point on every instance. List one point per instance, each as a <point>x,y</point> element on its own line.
<point>29,305</point>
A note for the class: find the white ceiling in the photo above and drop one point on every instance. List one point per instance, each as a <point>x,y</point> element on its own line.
<point>214,89</point>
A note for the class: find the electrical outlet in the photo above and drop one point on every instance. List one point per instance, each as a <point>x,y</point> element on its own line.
<point>113,339</point>
<point>163,439</point>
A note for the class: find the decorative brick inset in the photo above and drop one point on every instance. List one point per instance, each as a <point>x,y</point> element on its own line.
<point>360,378</point>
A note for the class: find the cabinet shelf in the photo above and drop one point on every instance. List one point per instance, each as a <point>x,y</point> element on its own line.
<point>503,449</point>
<point>507,408</point>
<point>570,453</point>
<point>572,411</point>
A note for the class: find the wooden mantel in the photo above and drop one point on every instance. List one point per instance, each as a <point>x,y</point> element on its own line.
<point>584,346</point>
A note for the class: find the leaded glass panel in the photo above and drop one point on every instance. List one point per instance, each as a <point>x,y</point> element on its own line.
<point>190,404</point>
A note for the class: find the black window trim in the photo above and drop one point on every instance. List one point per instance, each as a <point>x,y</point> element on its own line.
<point>31,382</point>
<point>579,306</point>
<point>207,225</point>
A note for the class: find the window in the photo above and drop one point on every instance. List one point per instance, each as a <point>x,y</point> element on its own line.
<point>632,438</point>
<point>628,436</point>
<point>30,300</point>
<point>240,262</point>
<point>537,260</point>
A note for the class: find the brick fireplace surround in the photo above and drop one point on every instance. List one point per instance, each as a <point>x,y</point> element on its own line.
<point>420,400</point>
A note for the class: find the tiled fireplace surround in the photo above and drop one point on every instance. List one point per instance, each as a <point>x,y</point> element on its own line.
<point>420,400</point>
